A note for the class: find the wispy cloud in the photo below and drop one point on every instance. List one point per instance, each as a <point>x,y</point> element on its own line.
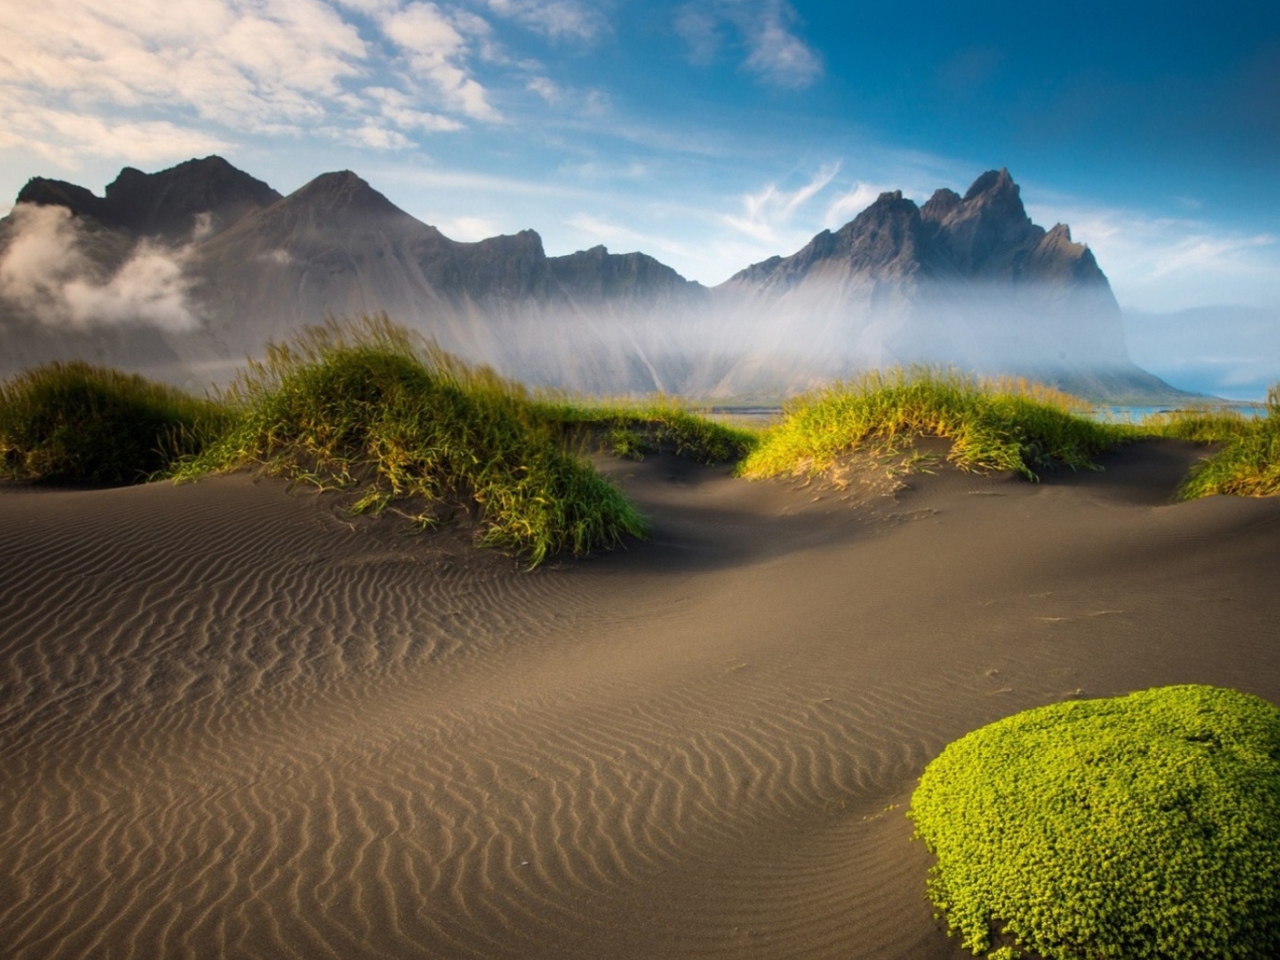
<point>63,136</point>
<point>1168,263</point>
<point>87,78</point>
<point>770,208</point>
<point>604,231</point>
<point>400,109</point>
<point>556,19</point>
<point>436,49</point>
<point>244,64</point>
<point>848,205</point>
<point>763,32</point>
<point>468,229</point>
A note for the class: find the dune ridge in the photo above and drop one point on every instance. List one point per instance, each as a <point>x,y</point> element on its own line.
<point>236,722</point>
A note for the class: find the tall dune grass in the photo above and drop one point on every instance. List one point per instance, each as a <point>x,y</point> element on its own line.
<point>367,408</point>
<point>657,424</point>
<point>1248,463</point>
<point>78,423</point>
<point>993,424</point>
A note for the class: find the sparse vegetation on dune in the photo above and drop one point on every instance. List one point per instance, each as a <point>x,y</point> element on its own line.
<point>657,424</point>
<point>78,423</point>
<point>366,408</point>
<point>1248,463</point>
<point>1145,827</point>
<point>993,424</point>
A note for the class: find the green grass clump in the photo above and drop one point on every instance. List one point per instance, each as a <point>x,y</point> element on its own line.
<point>365,408</point>
<point>1248,463</point>
<point>1138,827</point>
<point>77,423</point>
<point>661,423</point>
<point>1197,425</point>
<point>993,425</point>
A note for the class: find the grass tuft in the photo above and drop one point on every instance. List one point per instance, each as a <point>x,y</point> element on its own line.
<point>1248,463</point>
<point>657,424</point>
<point>367,408</point>
<point>77,423</point>
<point>1145,827</point>
<point>993,424</point>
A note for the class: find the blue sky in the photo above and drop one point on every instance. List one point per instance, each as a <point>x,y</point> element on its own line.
<point>710,133</point>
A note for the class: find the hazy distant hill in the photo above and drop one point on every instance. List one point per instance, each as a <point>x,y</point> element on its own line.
<point>184,272</point>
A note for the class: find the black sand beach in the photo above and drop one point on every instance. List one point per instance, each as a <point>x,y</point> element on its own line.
<point>235,722</point>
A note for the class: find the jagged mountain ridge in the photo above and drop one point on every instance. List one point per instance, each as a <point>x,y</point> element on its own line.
<point>261,265</point>
<point>165,204</point>
<point>985,235</point>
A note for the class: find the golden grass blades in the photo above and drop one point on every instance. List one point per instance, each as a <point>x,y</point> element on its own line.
<point>993,425</point>
<point>368,405</point>
<point>78,423</point>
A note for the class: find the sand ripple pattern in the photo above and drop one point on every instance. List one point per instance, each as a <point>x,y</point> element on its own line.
<point>232,727</point>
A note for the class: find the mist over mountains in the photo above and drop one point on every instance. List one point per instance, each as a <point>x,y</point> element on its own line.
<point>182,273</point>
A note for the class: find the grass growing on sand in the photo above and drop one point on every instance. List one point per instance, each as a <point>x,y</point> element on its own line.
<point>1248,463</point>
<point>658,424</point>
<point>993,424</point>
<point>1145,827</point>
<point>364,407</point>
<point>77,423</point>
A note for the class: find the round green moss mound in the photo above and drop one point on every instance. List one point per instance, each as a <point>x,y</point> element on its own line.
<point>1141,826</point>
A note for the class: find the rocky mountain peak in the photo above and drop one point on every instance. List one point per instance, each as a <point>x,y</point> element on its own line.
<point>171,204</point>
<point>987,230</point>
<point>940,205</point>
<point>997,185</point>
<point>343,194</point>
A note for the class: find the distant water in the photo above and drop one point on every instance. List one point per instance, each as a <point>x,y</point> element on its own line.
<point>1126,413</point>
<point>765,415</point>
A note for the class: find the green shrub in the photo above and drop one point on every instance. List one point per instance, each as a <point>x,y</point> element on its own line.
<point>366,408</point>
<point>1144,826</point>
<point>994,425</point>
<point>77,423</point>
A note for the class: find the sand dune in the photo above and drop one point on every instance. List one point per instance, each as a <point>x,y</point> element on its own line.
<point>234,722</point>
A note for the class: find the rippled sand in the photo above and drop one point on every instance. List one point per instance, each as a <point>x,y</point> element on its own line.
<point>236,723</point>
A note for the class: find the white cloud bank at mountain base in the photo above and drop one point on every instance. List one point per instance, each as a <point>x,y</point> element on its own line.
<point>48,272</point>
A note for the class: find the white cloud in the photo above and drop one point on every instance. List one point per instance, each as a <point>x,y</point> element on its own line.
<point>47,272</point>
<point>777,54</point>
<point>594,229</point>
<point>556,19</point>
<point>244,63</point>
<point>596,170</point>
<point>436,50</point>
<point>379,138</point>
<point>468,229</point>
<point>847,206</point>
<point>765,211</point>
<point>87,78</point>
<point>701,31</point>
<point>546,88</point>
<point>399,108</point>
<point>1168,263</point>
<point>64,136</point>
<point>765,29</point>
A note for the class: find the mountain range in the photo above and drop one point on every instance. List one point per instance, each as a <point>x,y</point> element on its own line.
<point>184,272</point>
